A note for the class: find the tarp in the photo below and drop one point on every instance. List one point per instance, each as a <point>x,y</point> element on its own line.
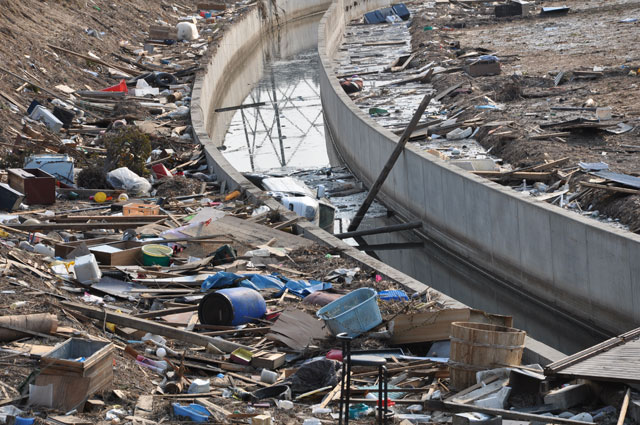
<point>261,282</point>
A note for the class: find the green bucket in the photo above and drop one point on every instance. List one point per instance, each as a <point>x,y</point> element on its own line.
<point>156,255</point>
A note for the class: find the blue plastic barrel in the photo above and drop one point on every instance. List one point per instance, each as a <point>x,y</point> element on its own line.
<point>231,307</point>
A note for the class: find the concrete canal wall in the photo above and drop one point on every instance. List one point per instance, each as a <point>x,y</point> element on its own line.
<point>590,270</point>
<point>226,64</point>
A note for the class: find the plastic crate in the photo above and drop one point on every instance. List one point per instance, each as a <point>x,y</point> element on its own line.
<point>140,209</point>
<point>355,313</point>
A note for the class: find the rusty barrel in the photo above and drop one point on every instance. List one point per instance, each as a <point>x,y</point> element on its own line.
<point>481,346</point>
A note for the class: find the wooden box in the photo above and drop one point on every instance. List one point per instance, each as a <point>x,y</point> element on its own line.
<point>63,249</point>
<point>268,360</point>
<point>125,253</point>
<point>77,369</point>
<point>38,186</point>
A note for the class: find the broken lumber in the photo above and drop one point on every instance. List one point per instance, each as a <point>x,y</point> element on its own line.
<point>153,327</point>
<point>445,406</point>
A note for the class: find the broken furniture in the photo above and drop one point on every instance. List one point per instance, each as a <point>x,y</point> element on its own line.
<point>345,381</point>
<point>38,186</point>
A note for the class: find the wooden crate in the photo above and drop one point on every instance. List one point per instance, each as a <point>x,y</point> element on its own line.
<point>75,381</point>
<point>39,187</point>
<point>134,209</point>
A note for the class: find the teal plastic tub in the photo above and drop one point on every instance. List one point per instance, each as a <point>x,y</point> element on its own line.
<point>355,313</point>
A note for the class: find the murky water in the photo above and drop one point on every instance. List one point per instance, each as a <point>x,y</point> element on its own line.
<point>287,129</point>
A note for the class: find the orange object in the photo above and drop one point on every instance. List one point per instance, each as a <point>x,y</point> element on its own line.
<point>140,209</point>
<point>232,195</point>
<point>121,87</point>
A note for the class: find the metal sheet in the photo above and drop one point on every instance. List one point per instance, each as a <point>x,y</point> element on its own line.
<point>624,179</point>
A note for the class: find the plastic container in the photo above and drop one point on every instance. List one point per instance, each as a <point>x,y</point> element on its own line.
<point>268,376</point>
<point>393,295</point>
<point>231,307</point>
<point>44,250</point>
<point>86,269</point>
<point>354,313</point>
<point>195,412</point>
<point>156,255</point>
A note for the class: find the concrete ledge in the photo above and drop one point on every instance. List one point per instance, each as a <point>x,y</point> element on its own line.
<point>586,268</point>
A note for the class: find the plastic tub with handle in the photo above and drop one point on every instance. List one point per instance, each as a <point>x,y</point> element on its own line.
<point>355,313</point>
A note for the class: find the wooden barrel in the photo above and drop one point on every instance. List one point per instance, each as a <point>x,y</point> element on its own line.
<point>480,346</point>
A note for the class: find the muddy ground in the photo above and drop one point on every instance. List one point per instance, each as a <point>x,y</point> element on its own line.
<point>533,50</point>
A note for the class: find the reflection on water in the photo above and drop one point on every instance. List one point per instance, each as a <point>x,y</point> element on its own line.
<point>288,130</point>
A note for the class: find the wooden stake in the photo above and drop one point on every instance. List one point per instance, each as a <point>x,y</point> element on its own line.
<point>373,191</point>
<point>625,407</point>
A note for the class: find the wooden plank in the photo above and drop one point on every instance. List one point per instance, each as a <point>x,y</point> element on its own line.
<point>166,312</point>
<point>46,227</point>
<point>141,324</point>
<point>444,406</point>
<point>625,407</point>
<point>519,175</point>
<point>611,188</point>
<point>435,325</point>
<point>14,102</point>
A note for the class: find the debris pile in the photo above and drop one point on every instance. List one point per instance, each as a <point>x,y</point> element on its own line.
<point>508,105</point>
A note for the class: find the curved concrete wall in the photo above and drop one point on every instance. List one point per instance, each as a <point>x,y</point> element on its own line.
<point>583,267</point>
<point>210,89</point>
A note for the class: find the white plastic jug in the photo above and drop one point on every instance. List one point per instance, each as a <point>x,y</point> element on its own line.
<point>86,269</point>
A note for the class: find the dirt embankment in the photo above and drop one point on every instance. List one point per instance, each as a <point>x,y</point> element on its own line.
<point>28,28</point>
<point>592,46</point>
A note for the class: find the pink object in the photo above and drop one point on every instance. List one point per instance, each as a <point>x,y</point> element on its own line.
<point>334,355</point>
<point>120,87</point>
<point>161,171</point>
<point>378,278</point>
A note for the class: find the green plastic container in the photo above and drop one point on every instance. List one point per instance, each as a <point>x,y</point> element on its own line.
<point>156,255</point>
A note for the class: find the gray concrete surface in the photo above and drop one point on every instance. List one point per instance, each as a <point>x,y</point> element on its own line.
<point>587,268</point>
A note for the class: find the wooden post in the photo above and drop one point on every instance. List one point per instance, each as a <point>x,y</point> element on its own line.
<point>625,407</point>
<point>373,191</point>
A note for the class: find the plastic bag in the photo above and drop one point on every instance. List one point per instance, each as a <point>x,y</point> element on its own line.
<point>124,178</point>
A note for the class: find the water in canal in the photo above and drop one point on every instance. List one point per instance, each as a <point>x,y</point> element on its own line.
<point>285,132</point>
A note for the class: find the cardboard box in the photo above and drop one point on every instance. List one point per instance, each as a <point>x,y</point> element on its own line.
<point>38,186</point>
<point>126,253</point>
<point>268,360</point>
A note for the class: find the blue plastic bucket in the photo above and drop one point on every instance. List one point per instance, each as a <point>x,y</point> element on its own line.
<point>231,307</point>
<point>355,313</point>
